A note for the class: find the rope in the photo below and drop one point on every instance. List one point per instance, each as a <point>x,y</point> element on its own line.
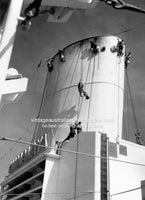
<point>118,118</point>
<point>81,64</point>
<point>85,85</point>
<point>72,78</point>
<point>41,104</point>
<point>126,116</point>
<point>57,80</point>
<point>132,103</point>
<point>80,100</point>
<point>133,107</point>
<point>91,93</point>
<point>79,193</point>
<point>12,147</point>
<point>72,152</point>
<point>76,167</point>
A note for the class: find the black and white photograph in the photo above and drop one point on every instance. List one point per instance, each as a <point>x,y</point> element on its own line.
<point>72,99</point>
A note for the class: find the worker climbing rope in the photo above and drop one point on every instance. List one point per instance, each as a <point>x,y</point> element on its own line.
<point>138,138</point>
<point>127,59</point>
<point>78,126</point>
<point>75,129</point>
<point>81,90</point>
<point>71,134</point>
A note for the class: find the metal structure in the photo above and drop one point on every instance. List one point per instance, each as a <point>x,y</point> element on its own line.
<point>8,31</point>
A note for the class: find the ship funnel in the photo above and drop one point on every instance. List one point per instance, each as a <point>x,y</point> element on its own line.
<point>99,64</point>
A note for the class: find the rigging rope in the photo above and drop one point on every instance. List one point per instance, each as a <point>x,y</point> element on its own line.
<point>132,103</point>
<point>67,75</point>
<point>118,91</point>
<point>133,107</point>
<point>91,92</point>
<point>80,100</point>
<point>41,104</point>
<point>128,116</point>
<point>76,168</point>
<point>72,77</point>
<point>85,85</point>
<point>73,152</point>
<point>11,148</point>
<point>79,193</point>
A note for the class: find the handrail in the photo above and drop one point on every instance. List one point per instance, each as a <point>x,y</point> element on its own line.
<point>26,181</point>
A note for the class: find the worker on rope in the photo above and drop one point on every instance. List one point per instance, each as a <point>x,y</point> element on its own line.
<point>120,47</point>
<point>30,12</point>
<point>120,4</point>
<point>75,129</point>
<point>71,134</point>
<point>61,55</point>
<point>78,126</point>
<point>127,59</point>
<point>138,137</point>
<point>94,47</point>
<point>50,65</point>
<point>82,91</point>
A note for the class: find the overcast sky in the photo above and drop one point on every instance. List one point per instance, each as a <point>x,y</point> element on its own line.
<point>43,40</point>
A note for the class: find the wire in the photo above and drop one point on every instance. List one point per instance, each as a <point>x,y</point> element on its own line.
<point>41,104</point>
<point>11,148</point>
<point>72,77</point>
<point>133,107</point>
<point>78,192</point>
<point>72,152</point>
<point>132,103</point>
<point>93,71</point>
<point>57,193</point>
<point>126,191</point>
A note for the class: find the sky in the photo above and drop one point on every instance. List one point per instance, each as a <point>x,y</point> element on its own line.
<point>43,40</point>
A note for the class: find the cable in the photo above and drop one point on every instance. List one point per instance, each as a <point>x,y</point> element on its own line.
<point>91,91</point>
<point>11,148</point>
<point>79,52</point>
<point>85,83</point>
<point>40,108</point>
<point>76,167</point>
<point>57,193</point>
<point>133,107</point>
<point>78,192</point>
<point>126,191</point>
<point>72,152</point>
<point>132,103</point>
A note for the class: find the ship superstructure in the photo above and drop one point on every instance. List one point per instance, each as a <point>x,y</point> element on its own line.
<point>95,163</point>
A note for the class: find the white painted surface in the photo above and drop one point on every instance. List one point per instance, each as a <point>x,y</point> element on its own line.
<point>10,90</point>
<point>103,76</point>
<point>74,175</point>
<point>125,178</point>
<point>7,39</point>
